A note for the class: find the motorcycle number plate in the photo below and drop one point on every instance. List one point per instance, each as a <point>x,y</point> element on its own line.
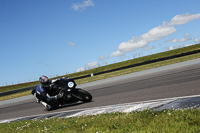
<point>70,84</point>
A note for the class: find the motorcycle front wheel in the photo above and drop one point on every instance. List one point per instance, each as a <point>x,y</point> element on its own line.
<point>86,96</point>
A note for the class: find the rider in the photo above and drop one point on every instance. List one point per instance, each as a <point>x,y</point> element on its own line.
<point>44,92</point>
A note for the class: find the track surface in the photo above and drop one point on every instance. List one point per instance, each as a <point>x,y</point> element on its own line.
<point>176,82</point>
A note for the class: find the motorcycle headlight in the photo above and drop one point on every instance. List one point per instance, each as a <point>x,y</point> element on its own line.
<point>70,84</point>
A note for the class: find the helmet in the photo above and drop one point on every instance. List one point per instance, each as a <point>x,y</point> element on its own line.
<point>44,80</point>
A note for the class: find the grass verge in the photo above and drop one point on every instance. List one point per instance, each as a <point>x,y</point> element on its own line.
<point>20,94</point>
<point>117,73</point>
<point>138,121</point>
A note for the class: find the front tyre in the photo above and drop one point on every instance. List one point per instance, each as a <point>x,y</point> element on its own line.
<point>86,96</point>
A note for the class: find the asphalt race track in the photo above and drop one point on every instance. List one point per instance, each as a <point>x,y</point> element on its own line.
<point>182,79</point>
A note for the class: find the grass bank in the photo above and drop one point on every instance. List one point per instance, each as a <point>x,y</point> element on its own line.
<point>138,121</point>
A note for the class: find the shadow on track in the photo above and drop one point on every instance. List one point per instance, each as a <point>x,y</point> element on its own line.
<point>70,105</point>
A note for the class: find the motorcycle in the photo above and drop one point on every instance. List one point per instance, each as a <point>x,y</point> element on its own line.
<point>71,94</point>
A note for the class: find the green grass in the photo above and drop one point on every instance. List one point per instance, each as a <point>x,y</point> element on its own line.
<point>138,121</point>
<point>17,86</point>
<point>20,94</point>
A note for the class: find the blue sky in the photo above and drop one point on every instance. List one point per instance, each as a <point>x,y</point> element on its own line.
<point>55,37</point>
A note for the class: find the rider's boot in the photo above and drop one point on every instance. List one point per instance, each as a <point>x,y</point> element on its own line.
<point>47,106</point>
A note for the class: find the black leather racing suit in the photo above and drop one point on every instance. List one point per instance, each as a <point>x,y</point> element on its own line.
<point>43,94</point>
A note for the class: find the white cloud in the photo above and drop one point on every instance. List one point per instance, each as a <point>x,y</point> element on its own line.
<point>155,34</point>
<point>140,42</point>
<point>147,48</point>
<point>184,39</point>
<point>178,40</point>
<point>80,69</point>
<point>92,65</point>
<point>197,40</point>
<point>177,46</point>
<point>71,44</point>
<point>102,58</point>
<point>116,53</point>
<point>89,66</point>
<point>188,45</point>
<point>158,32</point>
<point>134,43</point>
<point>171,48</point>
<point>187,35</point>
<point>183,19</point>
<point>83,5</point>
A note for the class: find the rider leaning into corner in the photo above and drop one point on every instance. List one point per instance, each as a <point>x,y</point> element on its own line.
<point>45,91</point>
